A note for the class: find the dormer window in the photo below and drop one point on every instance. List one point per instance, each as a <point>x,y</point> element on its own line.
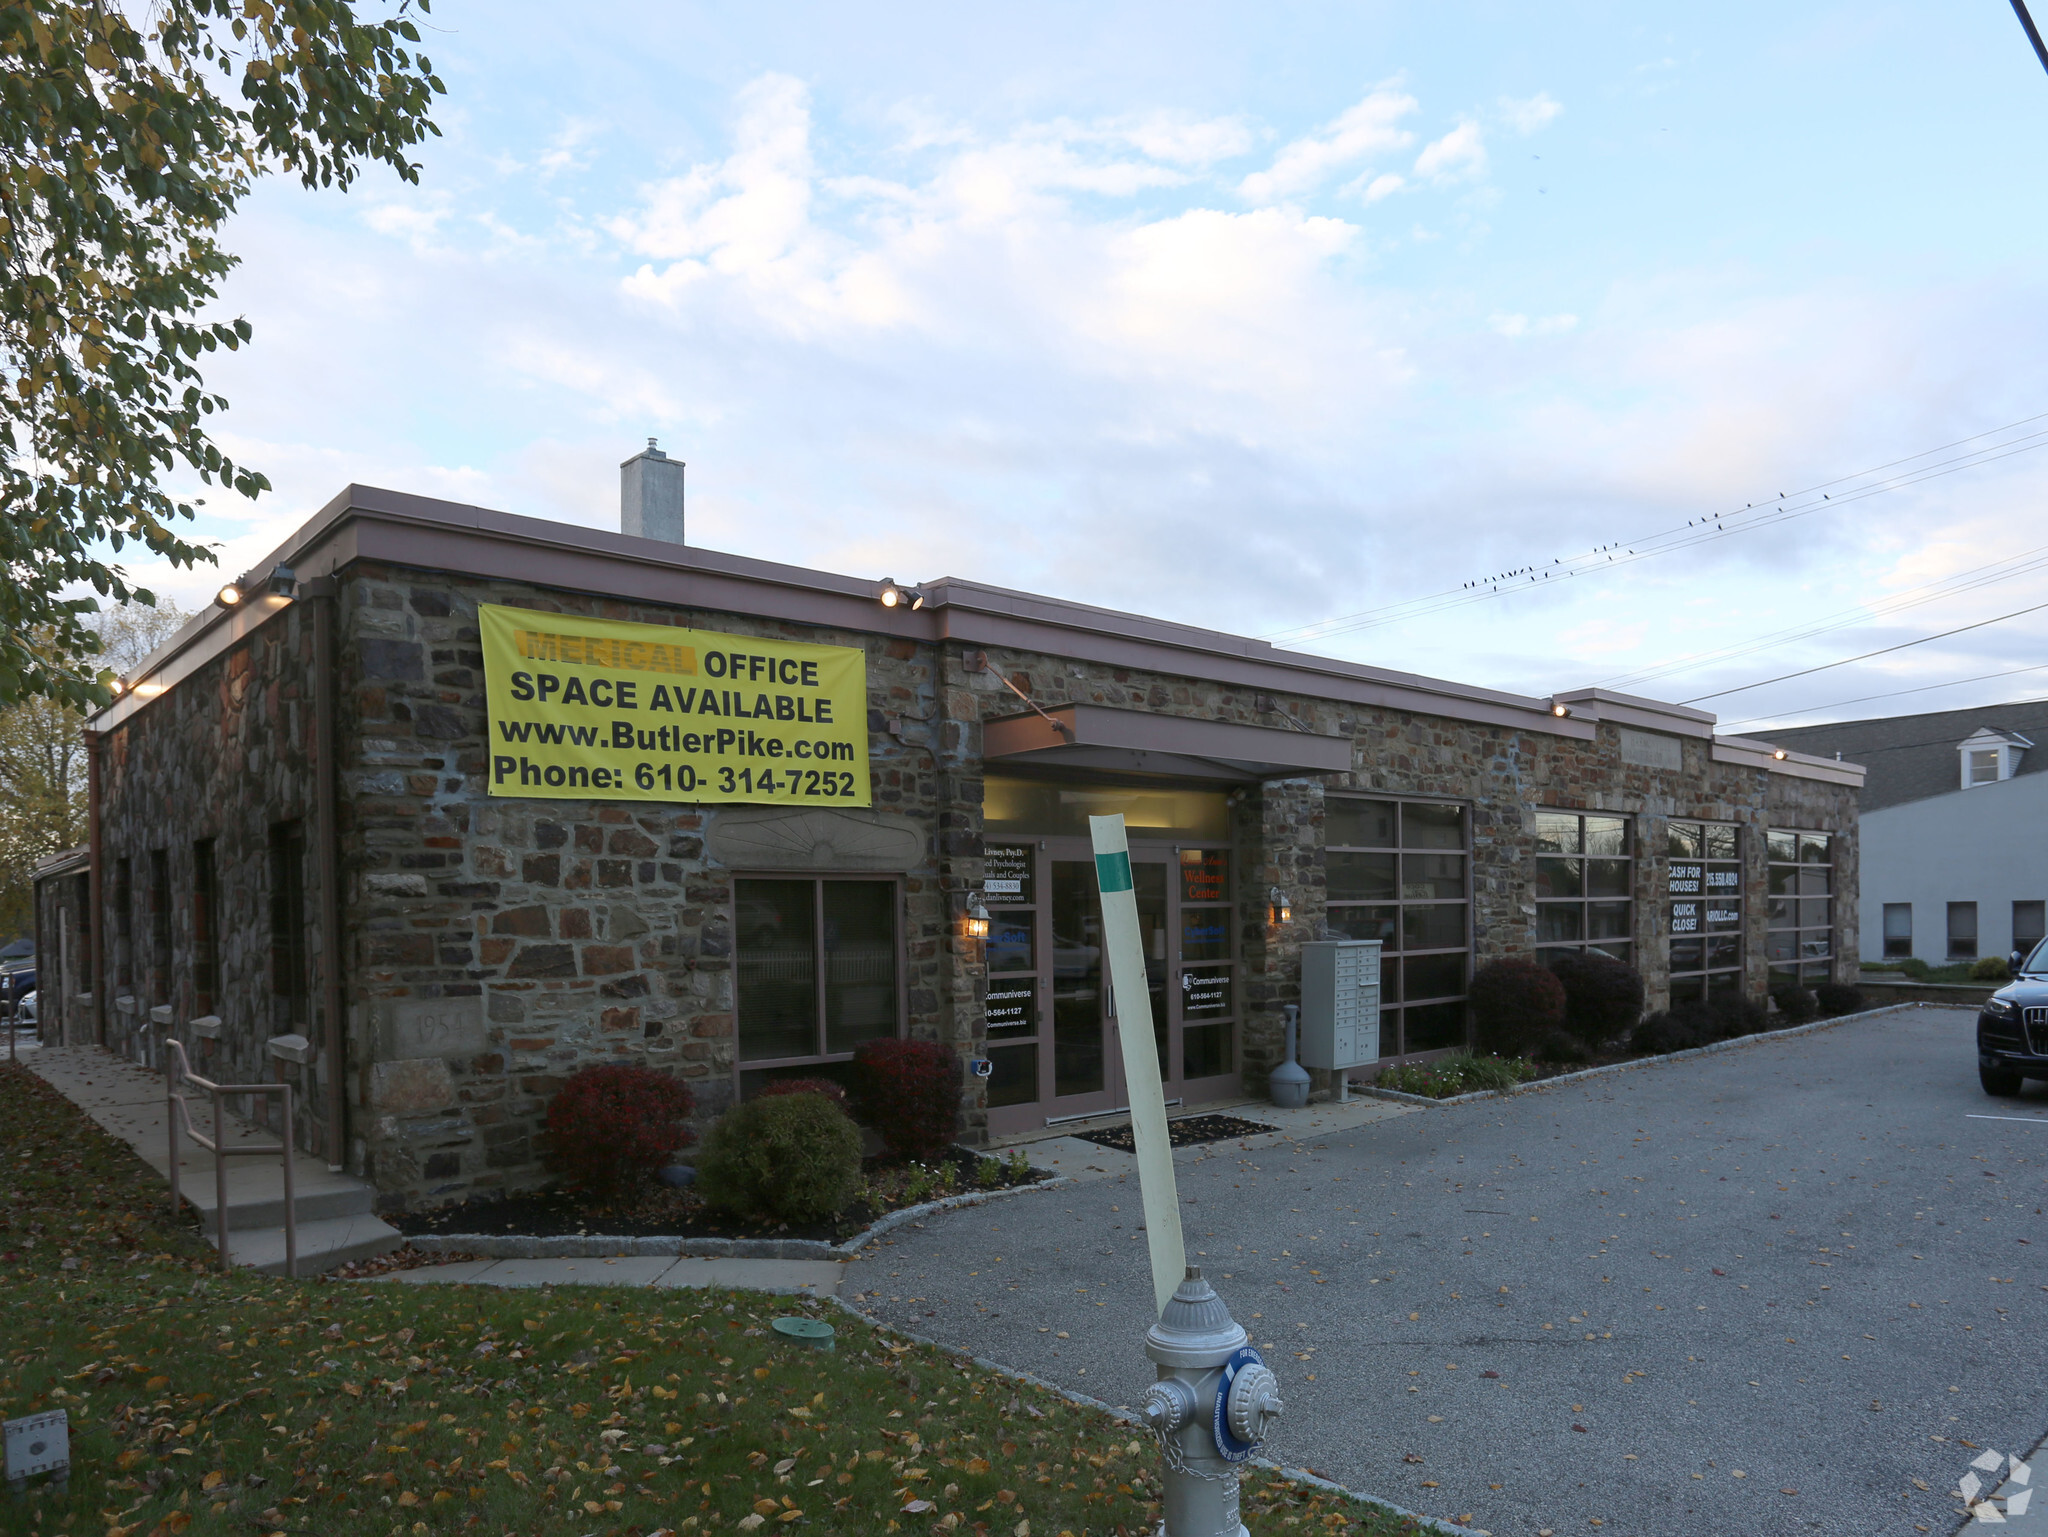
<point>1991,755</point>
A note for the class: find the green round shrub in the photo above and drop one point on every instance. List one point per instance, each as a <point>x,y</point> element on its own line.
<point>793,1157</point>
<point>1515,1002</point>
<point>1992,968</point>
<point>1915,968</point>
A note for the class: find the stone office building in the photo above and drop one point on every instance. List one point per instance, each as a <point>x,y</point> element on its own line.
<point>329,842</point>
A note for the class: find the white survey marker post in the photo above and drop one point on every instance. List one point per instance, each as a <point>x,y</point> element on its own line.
<point>1125,948</point>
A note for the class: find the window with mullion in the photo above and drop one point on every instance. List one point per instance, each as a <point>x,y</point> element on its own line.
<point>1800,928</point>
<point>1585,883</point>
<point>1398,871</point>
<point>816,967</point>
<point>1704,910</point>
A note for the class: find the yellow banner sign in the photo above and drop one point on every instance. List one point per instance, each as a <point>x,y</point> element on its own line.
<point>595,709</point>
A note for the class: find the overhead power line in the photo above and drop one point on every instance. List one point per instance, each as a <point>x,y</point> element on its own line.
<point>1707,528</point>
<point>1897,693</point>
<point>2033,33</point>
<point>2023,564</point>
<point>1866,656</point>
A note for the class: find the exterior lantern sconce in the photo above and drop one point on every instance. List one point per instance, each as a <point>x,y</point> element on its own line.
<point>230,594</point>
<point>1283,910</point>
<point>895,596</point>
<point>975,924</point>
<point>283,582</point>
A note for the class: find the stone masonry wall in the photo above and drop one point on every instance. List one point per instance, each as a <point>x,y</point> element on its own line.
<point>226,756</point>
<point>493,945</point>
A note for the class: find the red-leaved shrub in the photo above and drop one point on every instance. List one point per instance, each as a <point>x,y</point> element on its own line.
<point>608,1123</point>
<point>909,1091</point>
<point>824,1086</point>
<point>1515,1004</point>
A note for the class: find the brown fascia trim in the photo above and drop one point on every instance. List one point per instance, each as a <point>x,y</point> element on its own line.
<point>368,523</point>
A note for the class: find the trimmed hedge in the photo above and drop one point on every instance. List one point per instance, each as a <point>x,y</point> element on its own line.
<point>794,1157</point>
<point>1515,1003</point>
<point>1603,997</point>
<point>1839,998</point>
<point>613,1121</point>
<point>824,1086</point>
<point>1795,1002</point>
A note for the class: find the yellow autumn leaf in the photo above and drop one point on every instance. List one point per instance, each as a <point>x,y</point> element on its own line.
<point>157,1382</point>
<point>766,1507</point>
<point>408,1498</point>
<point>789,1515</point>
<point>213,1480</point>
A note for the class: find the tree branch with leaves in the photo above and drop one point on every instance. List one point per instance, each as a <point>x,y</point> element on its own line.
<point>128,136</point>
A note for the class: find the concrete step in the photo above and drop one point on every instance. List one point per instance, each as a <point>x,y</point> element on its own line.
<point>322,1245</point>
<point>256,1193</point>
<point>128,1100</point>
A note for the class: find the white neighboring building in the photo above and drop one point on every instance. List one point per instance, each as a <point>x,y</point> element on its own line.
<point>1954,817</point>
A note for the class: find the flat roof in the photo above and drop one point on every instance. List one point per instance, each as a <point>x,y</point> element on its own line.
<point>369,523</point>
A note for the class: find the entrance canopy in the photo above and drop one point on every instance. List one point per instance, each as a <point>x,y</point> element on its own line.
<point>1094,737</point>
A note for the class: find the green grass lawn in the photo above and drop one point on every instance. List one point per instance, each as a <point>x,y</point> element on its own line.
<point>1957,972</point>
<point>203,1403</point>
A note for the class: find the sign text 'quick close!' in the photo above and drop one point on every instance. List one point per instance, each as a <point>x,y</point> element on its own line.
<point>597,709</point>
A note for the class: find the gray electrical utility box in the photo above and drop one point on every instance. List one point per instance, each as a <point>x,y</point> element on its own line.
<point>1340,1003</point>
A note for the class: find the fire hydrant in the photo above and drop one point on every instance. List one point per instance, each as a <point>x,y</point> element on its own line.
<point>1209,1408</point>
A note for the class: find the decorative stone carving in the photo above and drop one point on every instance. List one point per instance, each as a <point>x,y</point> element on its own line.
<point>814,838</point>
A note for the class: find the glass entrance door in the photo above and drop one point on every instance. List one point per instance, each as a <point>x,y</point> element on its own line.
<point>1053,1017</point>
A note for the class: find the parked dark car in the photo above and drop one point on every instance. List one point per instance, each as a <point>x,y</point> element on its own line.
<point>2012,1027</point>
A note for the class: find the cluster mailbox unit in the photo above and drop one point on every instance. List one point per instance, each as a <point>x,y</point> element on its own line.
<point>1340,1004</point>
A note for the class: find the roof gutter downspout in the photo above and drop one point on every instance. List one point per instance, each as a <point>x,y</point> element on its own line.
<point>97,910</point>
<point>320,592</point>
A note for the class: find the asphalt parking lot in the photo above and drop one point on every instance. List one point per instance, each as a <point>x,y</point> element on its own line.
<point>1790,1288</point>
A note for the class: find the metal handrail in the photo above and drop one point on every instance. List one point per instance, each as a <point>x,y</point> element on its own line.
<point>178,1072</point>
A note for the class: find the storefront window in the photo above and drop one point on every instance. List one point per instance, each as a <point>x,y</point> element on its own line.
<point>1801,932</point>
<point>1397,873</point>
<point>1704,910</point>
<point>816,967</point>
<point>1585,882</point>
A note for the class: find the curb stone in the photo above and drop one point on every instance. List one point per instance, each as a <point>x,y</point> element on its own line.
<point>598,1245</point>
<point>1737,1042</point>
<point>1123,1416</point>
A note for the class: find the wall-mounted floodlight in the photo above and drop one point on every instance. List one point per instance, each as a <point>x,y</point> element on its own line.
<point>893,595</point>
<point>1779,755</point>
<point>229,596</point>
<point>1559,711</point>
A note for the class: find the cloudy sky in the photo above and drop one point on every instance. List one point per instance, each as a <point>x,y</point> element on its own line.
<point>1259,317</point>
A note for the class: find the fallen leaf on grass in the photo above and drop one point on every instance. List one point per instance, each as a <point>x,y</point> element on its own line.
<point>917,1507</point>
<point>749,1523</point>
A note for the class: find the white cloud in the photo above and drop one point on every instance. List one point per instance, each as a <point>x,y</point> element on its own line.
<point>1522,325</point>
<point>1459,155</point>
<point>1530,114</point>
<point>1185,140</point>
<point>1372,127</point>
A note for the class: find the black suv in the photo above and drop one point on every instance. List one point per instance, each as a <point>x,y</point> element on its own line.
<point>2012,1027</point>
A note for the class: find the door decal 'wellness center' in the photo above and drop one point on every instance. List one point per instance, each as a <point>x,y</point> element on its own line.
<point>597,709</point>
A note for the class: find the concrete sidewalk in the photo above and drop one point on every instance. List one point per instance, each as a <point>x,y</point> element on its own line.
<point>125,1099</point>
<point>784,1277</point>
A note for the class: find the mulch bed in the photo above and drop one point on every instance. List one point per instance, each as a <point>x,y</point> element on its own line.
<point>1188,1131</point>
<point>653,1210</point>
